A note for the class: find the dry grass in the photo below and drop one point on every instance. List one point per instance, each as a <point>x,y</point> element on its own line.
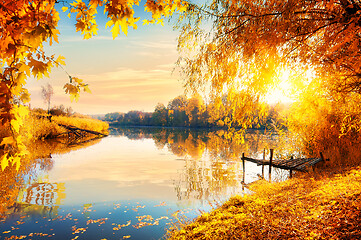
<point>83,123</point>
<point>300,208</point>
<point>39,127</point>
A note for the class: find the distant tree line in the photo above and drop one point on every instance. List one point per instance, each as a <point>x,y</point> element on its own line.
<point>193,112</point>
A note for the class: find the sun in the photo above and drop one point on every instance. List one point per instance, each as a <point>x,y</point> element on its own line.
<point>282,90</point>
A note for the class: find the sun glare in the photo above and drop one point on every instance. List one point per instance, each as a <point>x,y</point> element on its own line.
<point>282,91</point>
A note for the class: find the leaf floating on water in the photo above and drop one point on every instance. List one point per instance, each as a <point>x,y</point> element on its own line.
<point>137,207</point>
<point>78,230</point>
<point>118,226</point>
<point>145,217</point>
<point>100,221</point>
<point>161,204</point>
<point>145,220</point>
<point>117,206</point>
<point>164,217</point>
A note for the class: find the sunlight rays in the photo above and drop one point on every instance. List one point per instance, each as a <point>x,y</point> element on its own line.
<point>282,90</point>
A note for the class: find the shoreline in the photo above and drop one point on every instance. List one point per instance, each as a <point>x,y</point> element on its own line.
<point>298,208</point>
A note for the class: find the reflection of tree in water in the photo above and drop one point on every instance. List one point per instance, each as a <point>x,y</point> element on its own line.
<point>46,164</point>
<point>40,197</point>
<point>133,133</point>
<point>45,194</point>
<point>212,160</point>
<point>203,179</point>
<point>214,169</point>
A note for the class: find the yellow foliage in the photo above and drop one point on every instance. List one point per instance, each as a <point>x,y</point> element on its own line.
<point>302,208</point>
<point>83,123</point>
<point>326,122</point>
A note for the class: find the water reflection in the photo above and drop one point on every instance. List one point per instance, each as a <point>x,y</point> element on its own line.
<point>21,189</point>
<point>117,180</point>
<point>194,142</point>
<point>44,194</point>
<point>212,165</point>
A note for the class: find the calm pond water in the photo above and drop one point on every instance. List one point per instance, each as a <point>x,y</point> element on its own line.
<point>132,184</point>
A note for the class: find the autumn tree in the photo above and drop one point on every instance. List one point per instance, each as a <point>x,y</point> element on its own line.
<point>195,109</point>
<point>160,115</point>
<point>178,103</point>
<point>177,109</point>
<point>244,46</point>
<point>250,39</point>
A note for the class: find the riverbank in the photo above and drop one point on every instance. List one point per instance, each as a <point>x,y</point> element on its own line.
<point>39,126</point>
<point>326,207</point>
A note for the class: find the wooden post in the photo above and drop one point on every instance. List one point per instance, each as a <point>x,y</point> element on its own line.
<point>264,158</point>
<point>291,169</point>
<point>244,172</point>
<point>270,163</point>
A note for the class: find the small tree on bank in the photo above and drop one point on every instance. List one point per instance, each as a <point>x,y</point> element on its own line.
<point>47,92</point>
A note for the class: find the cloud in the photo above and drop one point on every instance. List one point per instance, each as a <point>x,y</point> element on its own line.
<point>129,89</point>
<point>159,45</point>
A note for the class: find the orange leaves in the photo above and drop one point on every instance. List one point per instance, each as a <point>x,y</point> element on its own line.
<point>164,8</point>
<point>120,226</point>
<point>121,16</point>
<point>4,162</point>
<point>303,208</point>
<point>85,17</point>
<point>116,30</point>
<point>39,68</point>
<point>7,159</point>
<point>73,88</point>
<point>13,146</point>
<point>60,60</point>
<point>248,41</point>
<point>147,220</point>
<point>123,23</point>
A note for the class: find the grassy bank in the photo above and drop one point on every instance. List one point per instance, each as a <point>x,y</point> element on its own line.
<point>38,126</point>
<point>301,208</point>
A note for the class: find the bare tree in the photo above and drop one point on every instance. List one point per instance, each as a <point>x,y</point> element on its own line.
<point>47,92</point>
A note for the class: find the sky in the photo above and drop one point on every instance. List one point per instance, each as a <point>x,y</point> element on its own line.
<point>133,72</point>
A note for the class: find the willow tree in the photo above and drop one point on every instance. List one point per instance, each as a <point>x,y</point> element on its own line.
<point>27,25</point>
<point>246,40</point>
<point>245,45</point>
